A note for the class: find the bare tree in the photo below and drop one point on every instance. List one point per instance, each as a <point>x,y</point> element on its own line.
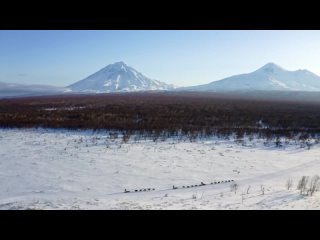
<point>202,195</point>
<point>278,142</point>
<point>248,189</point>
<point>262,189</point>
<point>308,145</point>
<point>125,137</point>
<point>302,184</point>
<point>194,196</point>
<point>314,185</point>
<point>289,184</point>
<point>242,197</point>
<point>234,187</point>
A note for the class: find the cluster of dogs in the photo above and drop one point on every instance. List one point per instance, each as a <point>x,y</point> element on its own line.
<point>174,187</point>
<point>140,190</point>
<point>203,184</point>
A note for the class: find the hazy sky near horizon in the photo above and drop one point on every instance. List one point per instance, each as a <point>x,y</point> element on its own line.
<point>182,58</point>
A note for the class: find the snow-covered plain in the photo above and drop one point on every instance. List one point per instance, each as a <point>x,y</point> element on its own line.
<point>60,169</point>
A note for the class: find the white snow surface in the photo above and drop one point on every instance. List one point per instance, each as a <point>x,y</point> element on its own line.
<point>118,77</point>
<point>270,77</point>
<point>60,169</point>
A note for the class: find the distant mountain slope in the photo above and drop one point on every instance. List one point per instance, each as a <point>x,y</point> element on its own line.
<point>13,90</point>
<point>270,77</point>
<point>118,77</point>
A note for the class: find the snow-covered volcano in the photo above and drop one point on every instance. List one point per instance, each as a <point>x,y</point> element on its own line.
<point>118,77</point>
<point>267,78</point>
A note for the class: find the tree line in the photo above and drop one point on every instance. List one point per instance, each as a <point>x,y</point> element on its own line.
<point>165,114</point>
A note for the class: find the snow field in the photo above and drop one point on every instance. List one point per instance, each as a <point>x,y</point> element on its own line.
<point>60,169</point>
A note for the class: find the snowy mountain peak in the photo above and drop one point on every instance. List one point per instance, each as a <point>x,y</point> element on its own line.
<point>269,77</point>
<point>270,68</point>
<point>118,65</point>
<point>118,77</point>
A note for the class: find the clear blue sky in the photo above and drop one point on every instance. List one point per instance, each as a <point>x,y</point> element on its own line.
<point>182,58</point>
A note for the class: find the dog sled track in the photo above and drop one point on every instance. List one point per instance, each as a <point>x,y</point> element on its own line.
<point>183,187</point>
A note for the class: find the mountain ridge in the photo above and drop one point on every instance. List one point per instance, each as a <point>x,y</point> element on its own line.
<point>15,89</point>
<point>119,77</point>
<point>270,77</point>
